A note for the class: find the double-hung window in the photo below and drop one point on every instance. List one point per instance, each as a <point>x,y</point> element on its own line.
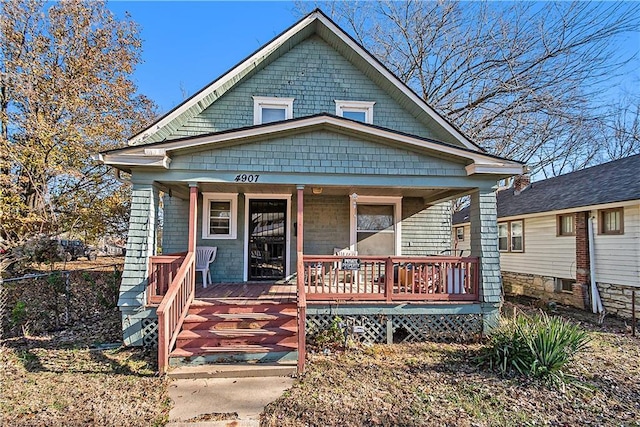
<point>511,236</point>
<point>270,109</point>
<point>361,111</point>
<point>566,225</point>
<point>611,221</point>
<point>220,212</point>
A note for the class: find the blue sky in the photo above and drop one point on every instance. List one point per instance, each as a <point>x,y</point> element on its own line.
<point>186,45</point>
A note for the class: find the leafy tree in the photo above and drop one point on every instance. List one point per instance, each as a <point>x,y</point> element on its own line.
<point>65,92</point>
<point>525,80</point>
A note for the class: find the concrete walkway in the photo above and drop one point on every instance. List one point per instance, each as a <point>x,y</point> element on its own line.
<point>245,396</point>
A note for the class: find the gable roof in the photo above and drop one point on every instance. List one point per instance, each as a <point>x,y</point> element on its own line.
<point>314,23</point>
<point>612,182</point>
<point>157,154</point>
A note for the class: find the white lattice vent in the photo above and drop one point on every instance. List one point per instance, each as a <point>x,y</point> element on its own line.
<point>150,333</point>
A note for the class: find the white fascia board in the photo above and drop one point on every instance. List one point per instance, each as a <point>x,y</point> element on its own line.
<point>135,160</point>
<point>572,210</point>
<point>222,81</point>
<point>495,168</point>
<point>399,84</point>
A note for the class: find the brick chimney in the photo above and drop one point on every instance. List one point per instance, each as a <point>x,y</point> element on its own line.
<point>520,182</point>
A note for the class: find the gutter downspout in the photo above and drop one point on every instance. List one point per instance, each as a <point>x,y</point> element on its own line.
<point>596,302</point>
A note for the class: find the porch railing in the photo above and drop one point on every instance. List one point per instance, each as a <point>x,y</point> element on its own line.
<point>174,307</point>
<point>162,270</point>
<point>371,278</point>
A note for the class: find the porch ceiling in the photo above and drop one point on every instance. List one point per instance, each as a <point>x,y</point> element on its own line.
<point>430,195</point>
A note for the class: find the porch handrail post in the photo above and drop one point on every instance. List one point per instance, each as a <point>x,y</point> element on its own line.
<point>193,217</point>
<point>388,279</point>
<point>302,299</point>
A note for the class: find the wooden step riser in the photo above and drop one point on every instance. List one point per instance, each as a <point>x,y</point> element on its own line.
<point>262,308</point>
<point>204,359</point>
<point>236,341</point>
<point>285,322</point>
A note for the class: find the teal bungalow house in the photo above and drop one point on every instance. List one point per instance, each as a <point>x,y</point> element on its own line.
<point>324,184</point>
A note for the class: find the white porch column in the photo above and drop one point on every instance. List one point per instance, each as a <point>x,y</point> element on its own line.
<point>484,245</point>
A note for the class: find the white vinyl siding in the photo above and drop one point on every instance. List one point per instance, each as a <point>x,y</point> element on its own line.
<point>545,253</point>
<point>462,245</point>
<point>617,256</point>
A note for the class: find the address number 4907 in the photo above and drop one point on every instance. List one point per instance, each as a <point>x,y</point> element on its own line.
<point>246,178</point>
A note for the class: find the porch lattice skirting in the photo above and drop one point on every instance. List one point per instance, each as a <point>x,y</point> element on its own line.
<point>380,328</point>
<point>390,328</point>
<point>150,332</point>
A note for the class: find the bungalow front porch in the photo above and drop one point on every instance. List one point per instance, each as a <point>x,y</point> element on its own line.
<point>390,299</point>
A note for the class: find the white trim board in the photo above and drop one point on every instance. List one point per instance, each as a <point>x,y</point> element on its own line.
<point>562,211</point>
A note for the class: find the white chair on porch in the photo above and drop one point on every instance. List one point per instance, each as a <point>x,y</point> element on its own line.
<point>205,255</point>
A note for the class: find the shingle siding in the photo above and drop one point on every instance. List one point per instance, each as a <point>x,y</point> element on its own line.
<point>175,231</point>
<point>484,243</point>
<point>315,75</point>
<point>319,152</point>
<point>141,242</point>
<point>425,230</point>
<point>326,224</point>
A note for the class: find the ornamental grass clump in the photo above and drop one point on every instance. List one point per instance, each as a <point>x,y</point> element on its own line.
<point>539,346</point>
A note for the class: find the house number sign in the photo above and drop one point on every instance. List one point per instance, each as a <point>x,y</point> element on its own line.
<point>245,177</point>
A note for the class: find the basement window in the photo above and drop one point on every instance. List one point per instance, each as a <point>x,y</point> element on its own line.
<point>270,109</point>
<point>564,285</point>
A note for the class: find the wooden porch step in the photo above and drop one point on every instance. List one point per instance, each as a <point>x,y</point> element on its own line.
<point>239,321</point>
<point>252,353</point>
<point>206,333</point>
<point>201,307</point>
<point>202,317</point>
<point>240,337</point>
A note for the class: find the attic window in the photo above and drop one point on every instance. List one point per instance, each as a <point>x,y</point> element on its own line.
<point>269,109</point>
<point>361,111</point>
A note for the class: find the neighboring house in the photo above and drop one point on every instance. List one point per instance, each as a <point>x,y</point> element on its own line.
<point>306,149</point>
<point>543,235</point>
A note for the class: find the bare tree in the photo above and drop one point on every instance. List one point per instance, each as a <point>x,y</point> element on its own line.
<point>620,130</point>
<point>519,78</point>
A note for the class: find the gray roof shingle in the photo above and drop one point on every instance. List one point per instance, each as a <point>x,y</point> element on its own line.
<point>615,181</point>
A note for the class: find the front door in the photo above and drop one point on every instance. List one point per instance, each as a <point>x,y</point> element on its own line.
<point>267,239</point>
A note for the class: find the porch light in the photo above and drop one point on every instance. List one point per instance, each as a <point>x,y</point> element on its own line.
<point>316,190</point>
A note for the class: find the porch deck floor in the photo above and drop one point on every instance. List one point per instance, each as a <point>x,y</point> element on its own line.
<point>246,293</point>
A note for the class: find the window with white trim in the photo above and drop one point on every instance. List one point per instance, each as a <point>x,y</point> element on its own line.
<point>268,109</point>
<point>460,234</point>
<point>220,215</point>
<point>361,111</point>
<point>376,225</point>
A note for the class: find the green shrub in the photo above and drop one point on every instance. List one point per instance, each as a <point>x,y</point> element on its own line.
<point>332,336</point>
<point>539,347</point>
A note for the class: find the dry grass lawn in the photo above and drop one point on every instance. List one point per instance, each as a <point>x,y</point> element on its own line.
<point>441,385</point>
